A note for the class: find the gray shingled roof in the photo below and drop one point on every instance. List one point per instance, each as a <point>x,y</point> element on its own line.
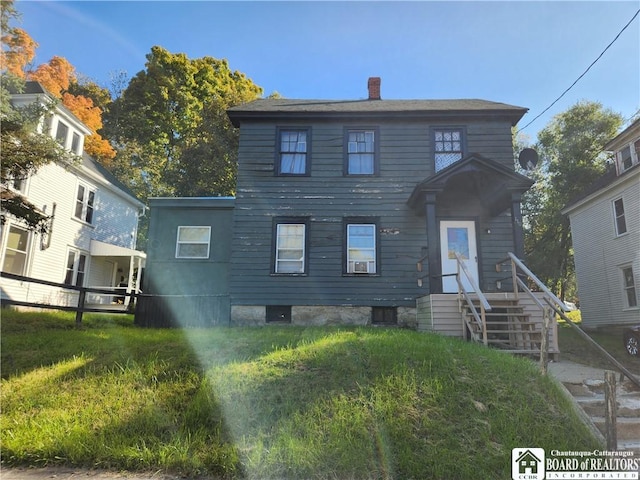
<point>91,164</point>
<point>269,108</point>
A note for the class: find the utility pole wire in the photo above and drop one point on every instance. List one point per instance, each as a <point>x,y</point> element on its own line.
<point>583,73</point>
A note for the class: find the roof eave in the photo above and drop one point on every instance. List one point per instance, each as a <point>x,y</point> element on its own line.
<point>512,115</point>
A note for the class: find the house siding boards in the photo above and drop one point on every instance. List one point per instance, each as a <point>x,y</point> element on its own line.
<point>599,253</point>
<point>114,221</point>
<point>199,286</point>
<point>326,196</point>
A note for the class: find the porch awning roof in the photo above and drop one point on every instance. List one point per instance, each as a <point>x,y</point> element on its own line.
<point>101,249</point>
<point>492,182</point>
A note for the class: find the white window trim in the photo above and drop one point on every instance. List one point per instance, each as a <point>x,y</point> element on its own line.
<point>76,262</point>
<point>25,186</point>
<point>625,298</point>
<point>351,264</point>
<point>634,157</point>
<point>85,203</point>
<point>179,242</point>
<point>615,217</point>
<point>302,260</point>
<point>28,250</point>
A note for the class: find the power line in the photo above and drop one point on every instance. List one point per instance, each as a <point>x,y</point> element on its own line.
<point>583,73</point>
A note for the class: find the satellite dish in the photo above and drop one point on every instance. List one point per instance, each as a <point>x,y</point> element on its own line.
<point>528,158</point>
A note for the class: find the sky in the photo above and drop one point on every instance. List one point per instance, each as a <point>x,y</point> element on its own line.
<point>524,53</point>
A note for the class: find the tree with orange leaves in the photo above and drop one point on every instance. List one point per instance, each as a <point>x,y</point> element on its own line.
<point>18,48</point>
<point>57,77</point>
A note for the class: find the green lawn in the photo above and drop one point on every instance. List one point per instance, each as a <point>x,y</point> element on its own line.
<point>273,402</point>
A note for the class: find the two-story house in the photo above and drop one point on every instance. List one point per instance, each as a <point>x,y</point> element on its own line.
<point>605,227</point>
<point>347,212</point>
<point>91,238</point>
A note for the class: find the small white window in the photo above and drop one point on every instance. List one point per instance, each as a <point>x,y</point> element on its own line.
<point>193,242</point>
<point>75,143</point>
<point>16,252</point>
<point>629,285</point>
<point>17,184</point>
<point>62,131</point>
<point>85,199</point>
<point>628,156</point>
<point>619,217</point>
<point>361,248</point>
<point>76,268</point>
<point>290,248</point>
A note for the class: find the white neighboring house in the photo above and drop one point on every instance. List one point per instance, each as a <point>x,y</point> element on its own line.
<point>605,226</point>
<point>92,235</point>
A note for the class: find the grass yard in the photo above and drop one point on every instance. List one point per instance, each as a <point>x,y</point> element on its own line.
<point>573,347</point>
<point>273,402</point>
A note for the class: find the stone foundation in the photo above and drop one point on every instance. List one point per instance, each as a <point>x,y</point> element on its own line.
<point>319,315</point>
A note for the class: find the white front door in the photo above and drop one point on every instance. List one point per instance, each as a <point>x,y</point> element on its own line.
<point>458,236</point>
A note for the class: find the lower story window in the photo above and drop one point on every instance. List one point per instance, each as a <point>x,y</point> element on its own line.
<point>193,242</point>
<point>76,268</point>
<point>629,285</point>
<point>16,251</point>
<point>290,248</point>
<point>361,248</point>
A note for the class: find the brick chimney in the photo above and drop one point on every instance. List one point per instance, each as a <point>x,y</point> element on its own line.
<point>374,88</point>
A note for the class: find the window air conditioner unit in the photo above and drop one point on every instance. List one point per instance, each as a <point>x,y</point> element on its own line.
<point>360,267</point>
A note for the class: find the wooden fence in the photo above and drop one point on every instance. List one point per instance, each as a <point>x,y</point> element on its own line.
<point>80,308</point>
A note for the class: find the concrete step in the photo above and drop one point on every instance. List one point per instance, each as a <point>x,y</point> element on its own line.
<point>628,429</point>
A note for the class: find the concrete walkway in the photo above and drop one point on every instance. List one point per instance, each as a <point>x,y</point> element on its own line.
<point>572,372</point>
<point>586,386</point>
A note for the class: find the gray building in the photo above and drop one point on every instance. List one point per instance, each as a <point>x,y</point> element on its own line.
<point>347,212</point>
<point>605,229</point>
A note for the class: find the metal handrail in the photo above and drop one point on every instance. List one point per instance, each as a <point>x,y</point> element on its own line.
<point>484,303</point>
<point>537,281</point>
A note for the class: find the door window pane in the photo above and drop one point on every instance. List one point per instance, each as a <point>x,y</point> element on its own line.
<point>458,242</point>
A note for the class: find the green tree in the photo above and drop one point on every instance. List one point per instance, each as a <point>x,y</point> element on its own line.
<point>170,127</point>
<point>571,159</point>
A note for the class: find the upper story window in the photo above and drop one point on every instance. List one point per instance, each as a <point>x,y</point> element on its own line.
<point>85,199</point>
<point>75,143</point>
<point>62,132</point>
<point>290,248</point>
<point>628,156</point>
<point>193,242</point>
<point>17,184</point>
<point>361,248</point>
<point>620,220</point>
<point>448,146</point>
<point>16,250</point>
<point>293,152</point>
<point>361,158</point>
